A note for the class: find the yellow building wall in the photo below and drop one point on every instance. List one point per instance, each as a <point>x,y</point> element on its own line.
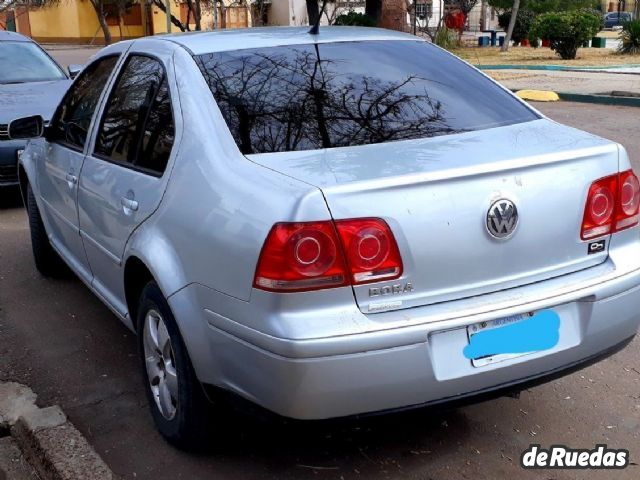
<point>74,21</point>
<point>55,21</point>
<point>159,18</point>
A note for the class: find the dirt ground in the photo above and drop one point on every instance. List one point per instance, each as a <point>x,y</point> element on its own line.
<point>592,57</point>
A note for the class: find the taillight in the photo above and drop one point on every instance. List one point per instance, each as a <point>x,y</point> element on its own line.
<point>629,200</point>
<point>301,256</point>
<point>612,205</point>
<point>371,250</point>
<point>599,211</point>
<point>313,255</point>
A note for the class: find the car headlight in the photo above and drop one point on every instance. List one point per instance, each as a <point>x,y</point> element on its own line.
<point>19,153</point>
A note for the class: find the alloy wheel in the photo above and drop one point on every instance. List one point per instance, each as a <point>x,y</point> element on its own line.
<point>160,363</point>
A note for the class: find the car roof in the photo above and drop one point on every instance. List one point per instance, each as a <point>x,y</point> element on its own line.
<point>236,39</point>
<point>13,36</point>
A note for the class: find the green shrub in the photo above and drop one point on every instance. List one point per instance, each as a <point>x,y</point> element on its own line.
<point>355,18</point>
<point>524,20</point>
<point>446,38</point>
<point>630,38</point>
<point>566,31</point>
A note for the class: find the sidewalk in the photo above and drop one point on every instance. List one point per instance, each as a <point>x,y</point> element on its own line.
<point>604,87</point>
<point>40,443</point>
<point>13,465</point>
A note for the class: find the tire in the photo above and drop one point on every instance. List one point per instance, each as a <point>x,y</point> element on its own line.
<point>183,420</point>
<point>47,260</point>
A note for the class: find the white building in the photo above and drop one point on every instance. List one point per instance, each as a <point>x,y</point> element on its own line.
<point>429,13</point>
<point>294,12</point>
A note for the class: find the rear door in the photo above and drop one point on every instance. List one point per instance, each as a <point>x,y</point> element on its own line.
<point>124,177</point>
<point>58,173</point>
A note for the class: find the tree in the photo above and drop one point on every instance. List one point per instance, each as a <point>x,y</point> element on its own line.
<point>512,24</point>
<point>458,13</point>
<point>373,10</point>
<point>567,31</point>
<point>524,20</point>
<point>101,14</point>
<point>544,6</point>
<point>465,6</point>
<point>313,11</point>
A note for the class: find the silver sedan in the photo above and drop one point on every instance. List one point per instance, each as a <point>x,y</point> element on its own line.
<point>330,225</point>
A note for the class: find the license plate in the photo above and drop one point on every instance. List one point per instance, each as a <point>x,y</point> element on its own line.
<point>490,325</point>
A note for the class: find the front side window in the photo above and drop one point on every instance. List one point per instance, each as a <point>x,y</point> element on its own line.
<point>137,127</point>
<point>22,62</point>
<point>307,97</point>
<point>71,122</point>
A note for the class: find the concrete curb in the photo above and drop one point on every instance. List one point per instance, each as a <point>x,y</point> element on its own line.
<point>596,99</point>
<point>49,442</point>
<point>600,99</point>
<point>561,68</point>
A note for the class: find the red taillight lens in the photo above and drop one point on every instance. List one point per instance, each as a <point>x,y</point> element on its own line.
<point>598,213</point>
<point>629,201</point>
<point>309,256</point>
<point>371,250</point>
<point>301,256</point>
<point>612,205</point>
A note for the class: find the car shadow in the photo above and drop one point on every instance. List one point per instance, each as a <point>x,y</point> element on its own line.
<point>316,446</point>
<point>10,198</point>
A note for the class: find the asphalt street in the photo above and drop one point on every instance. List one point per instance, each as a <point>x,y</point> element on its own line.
<point>59,339</point>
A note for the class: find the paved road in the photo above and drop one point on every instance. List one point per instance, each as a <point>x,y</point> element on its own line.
<point>58,338</point>
<point>66,55</point>
<point>601,82</point>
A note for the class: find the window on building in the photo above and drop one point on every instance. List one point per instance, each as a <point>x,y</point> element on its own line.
<point>424,10</point>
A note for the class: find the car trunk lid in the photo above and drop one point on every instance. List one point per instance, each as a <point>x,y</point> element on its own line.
<point>436,193</point>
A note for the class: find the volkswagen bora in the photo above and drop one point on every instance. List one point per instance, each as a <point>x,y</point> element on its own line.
<point>330,225</point>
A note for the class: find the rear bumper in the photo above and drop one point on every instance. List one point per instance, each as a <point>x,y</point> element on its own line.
<point>399,368</point>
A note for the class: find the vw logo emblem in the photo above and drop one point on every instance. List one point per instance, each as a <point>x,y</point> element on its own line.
<point>502,218</point>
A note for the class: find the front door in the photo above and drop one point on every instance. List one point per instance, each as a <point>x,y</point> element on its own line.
<point>58,173</point>
<point>123,180</point>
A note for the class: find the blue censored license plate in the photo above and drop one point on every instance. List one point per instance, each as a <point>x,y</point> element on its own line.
<point>498,340</point>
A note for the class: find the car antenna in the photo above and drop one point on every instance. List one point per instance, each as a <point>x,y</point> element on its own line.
<point>315,29</point>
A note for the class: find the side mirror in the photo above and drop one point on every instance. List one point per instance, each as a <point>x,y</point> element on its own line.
<point>25,128</point>
<point>74,69</point>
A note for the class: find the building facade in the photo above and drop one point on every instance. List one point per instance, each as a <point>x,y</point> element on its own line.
<point>75,21</point>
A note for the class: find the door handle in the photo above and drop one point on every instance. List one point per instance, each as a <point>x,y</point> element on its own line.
<point>129,204</point>
<point>72,180</point>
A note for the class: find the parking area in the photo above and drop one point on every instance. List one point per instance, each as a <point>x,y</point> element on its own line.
<point>59,339</point>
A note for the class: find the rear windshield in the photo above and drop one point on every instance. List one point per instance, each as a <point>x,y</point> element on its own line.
<point>307,97</point>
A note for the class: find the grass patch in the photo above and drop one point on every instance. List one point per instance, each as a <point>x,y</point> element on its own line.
<point>591,57</point>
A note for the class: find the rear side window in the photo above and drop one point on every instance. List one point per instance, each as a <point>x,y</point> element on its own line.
<point>307,97</point>
<point>70,124</point>
<point>137,128</point>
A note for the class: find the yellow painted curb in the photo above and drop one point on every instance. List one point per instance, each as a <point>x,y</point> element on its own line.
<point>538,95</point>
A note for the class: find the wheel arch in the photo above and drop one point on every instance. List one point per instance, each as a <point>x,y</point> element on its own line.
<point>136,276</point>
<point>149,258</point>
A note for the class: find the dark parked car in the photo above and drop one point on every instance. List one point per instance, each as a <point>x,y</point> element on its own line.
<point>31,83</point>
<point>616,19</point>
